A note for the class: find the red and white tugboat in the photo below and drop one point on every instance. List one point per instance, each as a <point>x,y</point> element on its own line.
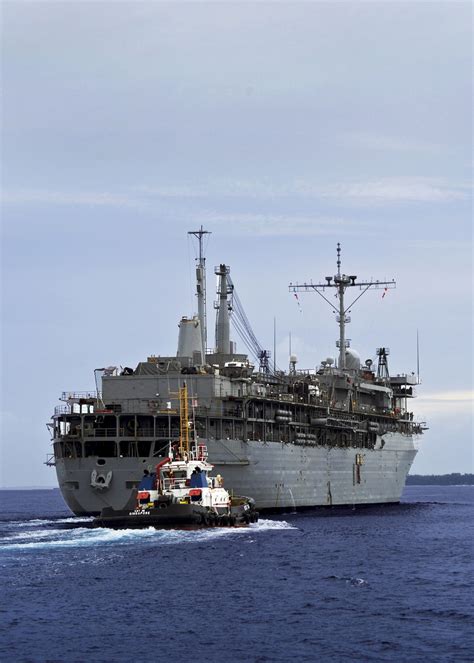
<point>182,492</point>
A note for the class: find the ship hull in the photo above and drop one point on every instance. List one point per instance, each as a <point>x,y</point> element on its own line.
<point>275,475</point>
<point>290,476</point>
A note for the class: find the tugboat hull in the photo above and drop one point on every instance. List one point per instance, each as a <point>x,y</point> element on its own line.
<point>176,515</point>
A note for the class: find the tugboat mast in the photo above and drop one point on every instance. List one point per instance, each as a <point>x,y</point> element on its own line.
<point>341,282</point>
<point>201,287</point>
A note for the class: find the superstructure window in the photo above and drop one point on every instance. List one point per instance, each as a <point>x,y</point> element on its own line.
<point>227,429</point>
<point>105,426</point>
<point>104,448</point>
<point>68,449</point>
<point>145,426</point>
<point>135,449</point>
<point>144,448</point>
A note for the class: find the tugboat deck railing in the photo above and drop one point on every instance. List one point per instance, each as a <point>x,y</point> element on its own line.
<point>173,484</point>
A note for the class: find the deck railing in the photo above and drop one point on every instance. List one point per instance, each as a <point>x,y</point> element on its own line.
<point>62,409</point>
<point>78,395</point>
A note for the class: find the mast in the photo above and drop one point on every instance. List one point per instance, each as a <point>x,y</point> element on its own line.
<point>417,358</point>
<point>223,344</point>
<point>341,282</point>
<point>274,343</point>
<point>201,287</point>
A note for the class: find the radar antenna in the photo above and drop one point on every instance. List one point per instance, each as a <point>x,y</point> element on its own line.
<point>341,282</point>
<point>382,367</point>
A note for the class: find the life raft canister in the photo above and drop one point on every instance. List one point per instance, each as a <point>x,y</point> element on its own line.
<point>143,495</point>
<point>195,492</point>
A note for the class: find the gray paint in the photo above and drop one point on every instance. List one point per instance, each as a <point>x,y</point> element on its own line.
<point>274,474</point>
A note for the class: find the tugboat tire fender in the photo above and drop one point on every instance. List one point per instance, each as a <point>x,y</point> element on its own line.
<point>204,519</point>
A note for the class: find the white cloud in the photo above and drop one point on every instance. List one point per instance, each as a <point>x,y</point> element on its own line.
<point>221,187</point>
<point>372,141</point>
<point>382,191</point>
<point>393,190</point>
<point>279,225</point>
<point>449,397</point>
<point>445,403</point>
<point>387,190</point>
<point>69,198</point>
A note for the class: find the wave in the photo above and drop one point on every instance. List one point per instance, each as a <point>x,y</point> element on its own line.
<point>17,529</point>
<point>77,536</point>
<point>74,520</point>
<point>351,580</point>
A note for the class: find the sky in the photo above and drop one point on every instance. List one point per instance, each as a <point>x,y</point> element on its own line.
<point>282,128</point>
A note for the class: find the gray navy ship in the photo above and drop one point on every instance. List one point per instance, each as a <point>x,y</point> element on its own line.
<point>341,434</point>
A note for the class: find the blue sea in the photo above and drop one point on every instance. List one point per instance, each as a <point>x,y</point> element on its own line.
<point>378,584</point>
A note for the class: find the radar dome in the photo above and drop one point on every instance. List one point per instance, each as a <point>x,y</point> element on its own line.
<point>352,360</point>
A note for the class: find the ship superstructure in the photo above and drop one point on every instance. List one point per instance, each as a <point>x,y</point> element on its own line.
<point>340,434</point>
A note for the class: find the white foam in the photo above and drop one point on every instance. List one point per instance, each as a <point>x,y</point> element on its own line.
<point>55,521</point>
<point>272,524</point>
<point>357,582</point>
<point>78,537</point>
<point>34,534</point>
<point>81,536</point>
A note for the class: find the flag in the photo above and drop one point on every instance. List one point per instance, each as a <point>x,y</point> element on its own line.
<point>298,302</point>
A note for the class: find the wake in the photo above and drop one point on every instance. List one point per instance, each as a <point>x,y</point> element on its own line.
<point>74,535</point>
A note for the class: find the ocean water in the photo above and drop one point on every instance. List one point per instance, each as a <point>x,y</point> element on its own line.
<point>378,584</point>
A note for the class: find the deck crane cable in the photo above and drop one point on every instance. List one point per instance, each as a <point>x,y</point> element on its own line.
<point>243,327</point>
<point>242,333</point>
